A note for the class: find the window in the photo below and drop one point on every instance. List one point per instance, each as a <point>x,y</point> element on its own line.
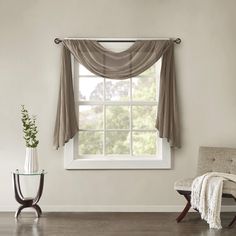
<point>116,121</point>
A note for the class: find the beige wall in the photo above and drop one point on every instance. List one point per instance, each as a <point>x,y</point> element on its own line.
<point>29,70</point>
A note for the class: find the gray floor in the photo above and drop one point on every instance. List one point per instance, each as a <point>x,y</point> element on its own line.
<point>112,224</point>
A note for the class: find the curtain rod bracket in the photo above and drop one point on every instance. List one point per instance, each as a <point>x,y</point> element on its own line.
<point>57,41</point>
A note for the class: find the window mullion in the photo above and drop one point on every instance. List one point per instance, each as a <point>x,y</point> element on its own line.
<point>118,103</point>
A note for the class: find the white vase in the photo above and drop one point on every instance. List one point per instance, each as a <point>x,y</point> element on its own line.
<point>31,160</point>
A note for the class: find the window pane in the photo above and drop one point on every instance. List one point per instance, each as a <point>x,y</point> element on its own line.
<point>144,88</point>
<point>144,117</point>
<point>90,117</point>
<point>117,90</point>
<point>117,142</point>
<point>117,117</point>
<point>90,88</point>
<point>90,142</point>
<point>83,70</point>
<point>144,143</point>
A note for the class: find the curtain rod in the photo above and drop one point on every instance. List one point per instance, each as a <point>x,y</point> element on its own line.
<point>102,40</point>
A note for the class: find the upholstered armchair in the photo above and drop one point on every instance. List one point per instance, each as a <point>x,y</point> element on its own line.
<point>210,159</point>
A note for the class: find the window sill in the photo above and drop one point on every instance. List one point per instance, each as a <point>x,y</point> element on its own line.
<point>99,163</point>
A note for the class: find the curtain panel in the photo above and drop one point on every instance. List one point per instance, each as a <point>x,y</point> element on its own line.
<point>118,65</point>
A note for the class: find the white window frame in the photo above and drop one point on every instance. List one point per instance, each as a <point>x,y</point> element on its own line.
<point>113,162</point>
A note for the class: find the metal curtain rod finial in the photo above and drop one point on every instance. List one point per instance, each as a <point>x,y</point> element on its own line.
<point>57,40</point>
<point>177,41</point>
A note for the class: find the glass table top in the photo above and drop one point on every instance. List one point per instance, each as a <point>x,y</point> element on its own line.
<point>22,172</point>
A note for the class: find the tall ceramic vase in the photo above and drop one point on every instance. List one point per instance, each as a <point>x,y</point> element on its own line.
<point>31,160</point>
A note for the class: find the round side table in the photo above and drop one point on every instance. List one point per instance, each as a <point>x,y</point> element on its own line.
<point>27,202</point>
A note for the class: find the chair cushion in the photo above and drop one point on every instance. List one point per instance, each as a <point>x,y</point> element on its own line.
<point>229,187</point>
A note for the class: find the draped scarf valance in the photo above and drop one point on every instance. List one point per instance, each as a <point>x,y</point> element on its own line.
<point>118,65</point>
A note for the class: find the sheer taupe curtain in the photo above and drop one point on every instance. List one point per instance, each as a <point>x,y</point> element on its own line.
<point>118,65</point>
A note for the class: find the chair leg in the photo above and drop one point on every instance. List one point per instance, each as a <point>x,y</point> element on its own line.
<point>187,195</point>
<point>185,210</point>
<point>232,222</point>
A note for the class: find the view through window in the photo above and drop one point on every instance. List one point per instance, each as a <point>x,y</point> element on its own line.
<point>117,117</point>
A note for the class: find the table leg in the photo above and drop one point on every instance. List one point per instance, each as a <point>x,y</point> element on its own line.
<point>27,202</point>
<point>38,210</point>
<point>19,211</point>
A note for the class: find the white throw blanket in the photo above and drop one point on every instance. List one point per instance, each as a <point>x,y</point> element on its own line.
<point>206,196</point>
